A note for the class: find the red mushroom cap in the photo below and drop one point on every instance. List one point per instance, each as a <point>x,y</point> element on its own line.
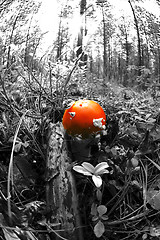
<point>83,118</point>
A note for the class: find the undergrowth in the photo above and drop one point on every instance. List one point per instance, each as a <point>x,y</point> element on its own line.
<point>130,145</point>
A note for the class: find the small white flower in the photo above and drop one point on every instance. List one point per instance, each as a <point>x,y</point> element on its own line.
<point>88,169</point>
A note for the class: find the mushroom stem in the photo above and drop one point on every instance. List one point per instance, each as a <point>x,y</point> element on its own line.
<point>81,149</point>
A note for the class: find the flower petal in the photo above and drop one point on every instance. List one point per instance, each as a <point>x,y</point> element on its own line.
<point>103,171</point>
<point>100,167</point>
<point>97,180</point>
<point>89,167</point>
<point>82,170</point>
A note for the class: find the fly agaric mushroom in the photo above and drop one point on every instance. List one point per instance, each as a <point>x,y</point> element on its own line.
<point>84,118</point>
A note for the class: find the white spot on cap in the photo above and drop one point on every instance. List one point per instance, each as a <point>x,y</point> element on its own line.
<point>98,123</point>
<point>72,114</point>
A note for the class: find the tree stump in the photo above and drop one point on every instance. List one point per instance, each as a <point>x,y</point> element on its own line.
<point>61,197</point>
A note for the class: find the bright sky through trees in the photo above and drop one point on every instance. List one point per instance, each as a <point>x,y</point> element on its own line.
<point>48,16</point>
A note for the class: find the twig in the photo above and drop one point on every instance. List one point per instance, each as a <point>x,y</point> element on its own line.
<point>69,77</point>
<point>120,221</point>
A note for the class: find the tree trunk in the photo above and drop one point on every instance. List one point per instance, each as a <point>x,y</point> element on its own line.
<point>10,41</point>
<point>61,197</point>
<point>158,56</point>
<point>59,45</point>
<point>146,59</point>
<point>80,41</point>
<point>127,48</point>
<point>127,59</point>
<point>104,46</point>
<point>139,40</point>
<point>82,32</point>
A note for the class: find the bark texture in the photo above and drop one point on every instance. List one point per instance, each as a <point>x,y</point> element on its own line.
<point>61,197</point>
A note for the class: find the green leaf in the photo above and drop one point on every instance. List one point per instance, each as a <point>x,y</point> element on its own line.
<point>10,234</point>
<point>104,217</point>
<point>99,194</point>
<point>101,210</point>
<point>25,144</point>
<point>94,218</point>
<point>155,231</point>
<point>99,229</point>
<point>151,120</point>
<point>153,198</point>
<point>17,147</point>
<point>94,209</point>
<point>154,163</point>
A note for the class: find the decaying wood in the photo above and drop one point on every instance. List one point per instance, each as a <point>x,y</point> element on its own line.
<point>61,197</point>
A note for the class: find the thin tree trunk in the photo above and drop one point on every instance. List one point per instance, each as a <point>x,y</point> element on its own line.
<point>10,40</point>
<point>80,41</point>
<point>139,40</point>
<point>127,58</point>
<point>158,56</point>
<point>59,39</point>
<point>104,46</point>
<point>147,56</point>
<point>81,33</point>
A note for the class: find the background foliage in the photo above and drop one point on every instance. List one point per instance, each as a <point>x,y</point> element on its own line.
<point>111,59</point>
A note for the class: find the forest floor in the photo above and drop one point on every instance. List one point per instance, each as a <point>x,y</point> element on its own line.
<point>129,204</point>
